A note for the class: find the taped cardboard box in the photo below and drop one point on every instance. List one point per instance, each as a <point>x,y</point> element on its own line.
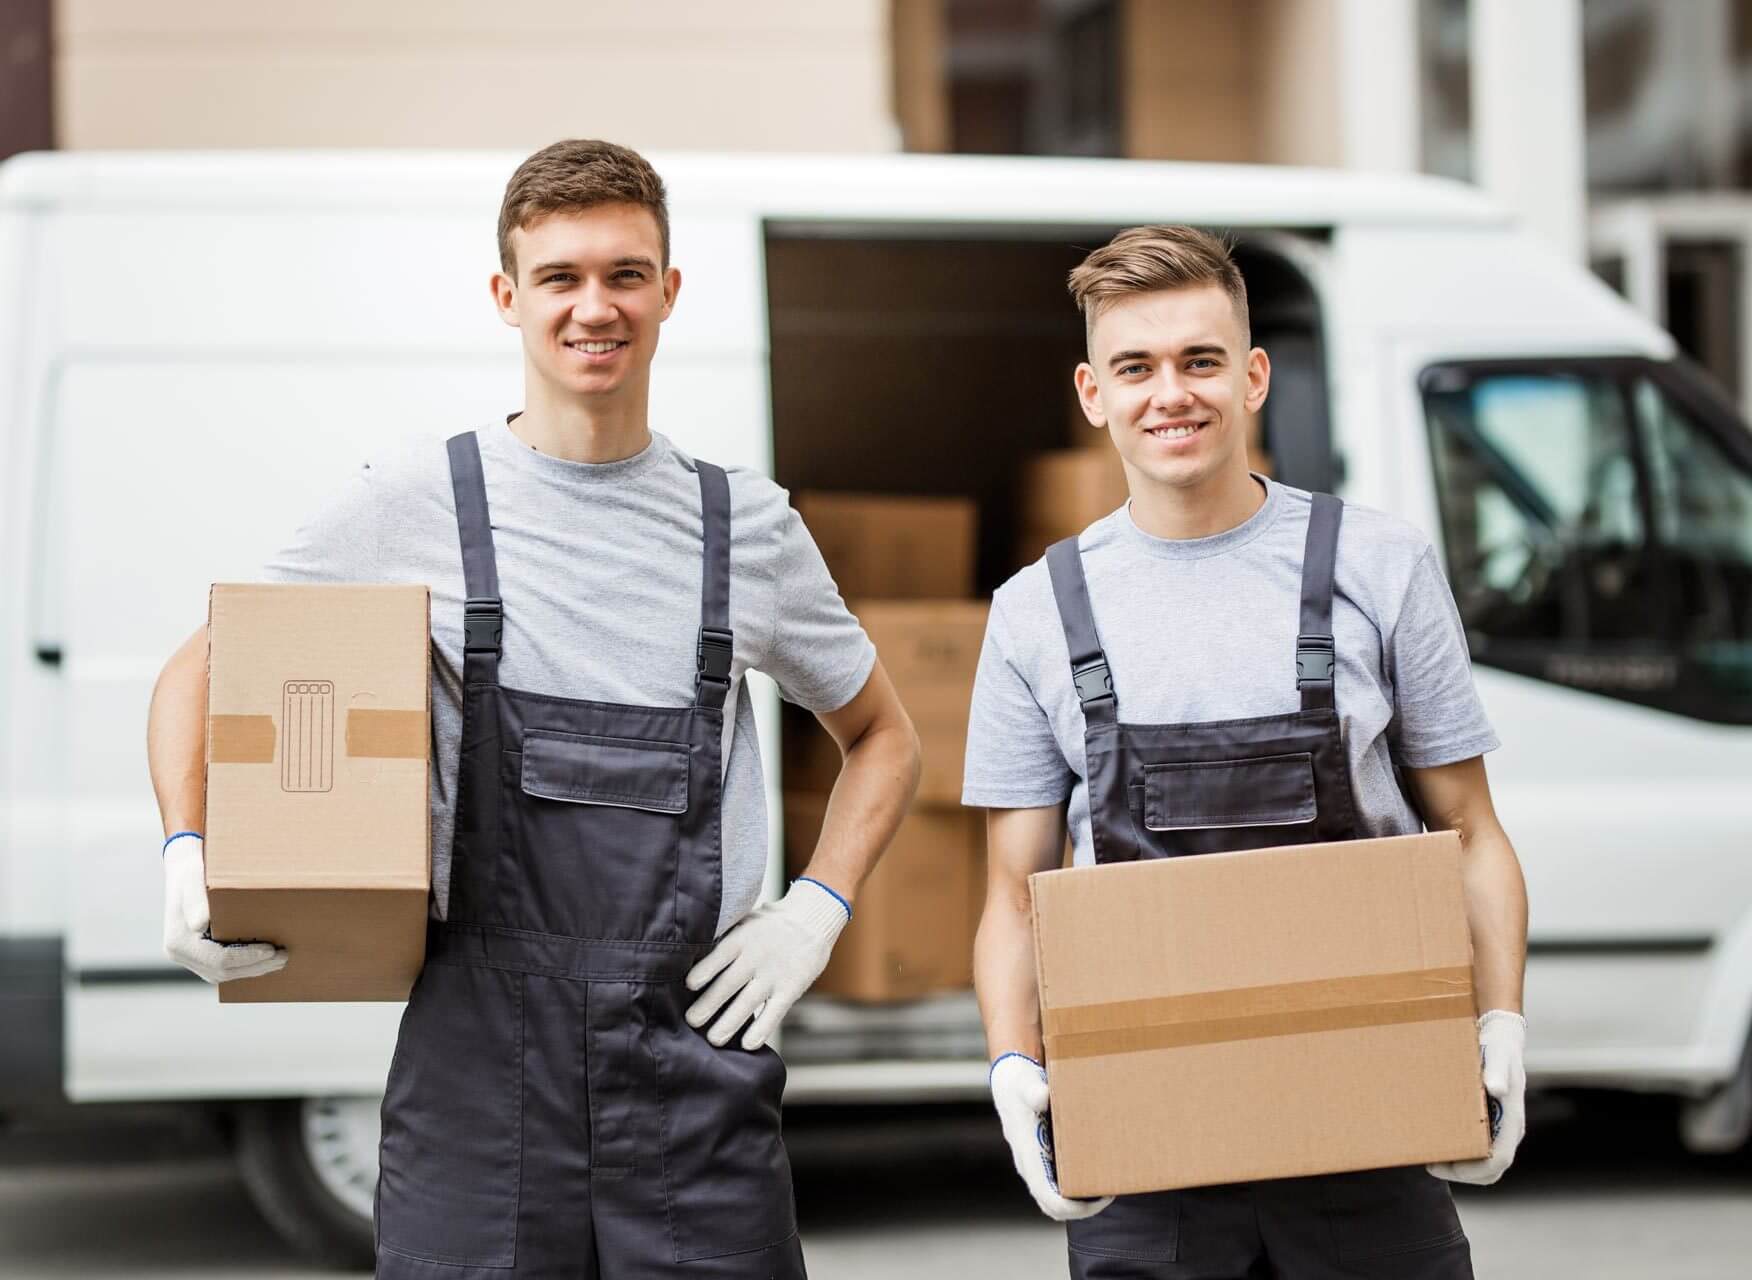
<point>880,546</point>
<point>1270,1014</point>
<point>930,649</point>
<point>318,815</point>
<point>911,934</point>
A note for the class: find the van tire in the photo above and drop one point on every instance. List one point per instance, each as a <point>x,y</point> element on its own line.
<point>1721,1123</point>
<point>274,1159</point>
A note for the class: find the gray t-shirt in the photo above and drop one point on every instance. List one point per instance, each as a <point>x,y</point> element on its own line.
<point>1205,629</point>
<point>600,572</point>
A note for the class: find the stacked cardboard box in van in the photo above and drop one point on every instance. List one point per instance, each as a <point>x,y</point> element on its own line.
<point>1063,491</point>
<point>906,568</point>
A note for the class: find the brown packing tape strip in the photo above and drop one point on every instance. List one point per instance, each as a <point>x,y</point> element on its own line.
<point>397,735</point>
<point>240,739</point>
<point>371,734</point>
<point>1253,1013</point>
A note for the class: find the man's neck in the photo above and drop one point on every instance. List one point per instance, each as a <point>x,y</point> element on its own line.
<point>1225,500</point>
<point>563,427</point>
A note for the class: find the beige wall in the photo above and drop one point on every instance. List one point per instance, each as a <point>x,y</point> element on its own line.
<point>1296,66</point>
<point>1232,80</point>
<point>756,75</point>
<point>921,85</point>
<point>1188,80</point>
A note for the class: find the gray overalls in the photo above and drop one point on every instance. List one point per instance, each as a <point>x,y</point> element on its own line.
<point>1166,790</point>
<point>549,1113</point>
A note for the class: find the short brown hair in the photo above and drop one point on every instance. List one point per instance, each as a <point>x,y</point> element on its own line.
<point>574,175</point>
<point>1145,259</point>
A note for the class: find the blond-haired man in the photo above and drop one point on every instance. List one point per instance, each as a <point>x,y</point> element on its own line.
<point>1221,617</point>
<point>565,1099</point>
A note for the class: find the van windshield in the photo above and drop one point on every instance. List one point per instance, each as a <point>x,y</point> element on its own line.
<point>1597,518</point>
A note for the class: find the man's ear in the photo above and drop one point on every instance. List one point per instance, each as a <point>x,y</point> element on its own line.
<point>504,292</point>
<point>1258,378</point>
<point>671,287</point>
<point>1089,396</point>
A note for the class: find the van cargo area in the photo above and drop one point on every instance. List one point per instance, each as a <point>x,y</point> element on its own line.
<point>911,364</point>
<point>920,363</point>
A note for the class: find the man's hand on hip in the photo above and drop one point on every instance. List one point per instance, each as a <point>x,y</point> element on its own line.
<point>1502,1041</point>
<point>1020,1094</point>
<point>186,918</point>
<point>768,959</point>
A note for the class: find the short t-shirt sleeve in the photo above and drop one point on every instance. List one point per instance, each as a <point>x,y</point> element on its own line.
<point>1438,718</point>
<point>820,656</point>
<point>337,543</point>
<point>1013,759</point>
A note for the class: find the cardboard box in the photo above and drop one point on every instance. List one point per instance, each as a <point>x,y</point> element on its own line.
<point>1073,487</point>
<point>879,546</point>
<point>318,817</point>
<point>909,934</point>
<point>1269,1014</point>
<point>930,649</point>
<point>1065,491</point>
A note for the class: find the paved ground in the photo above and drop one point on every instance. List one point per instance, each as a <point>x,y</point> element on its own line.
<point>1602,1192</point>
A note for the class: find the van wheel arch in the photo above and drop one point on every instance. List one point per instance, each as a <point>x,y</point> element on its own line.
<point>300,1161</point>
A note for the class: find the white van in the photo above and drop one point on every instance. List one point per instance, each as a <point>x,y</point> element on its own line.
<point>194,348</point>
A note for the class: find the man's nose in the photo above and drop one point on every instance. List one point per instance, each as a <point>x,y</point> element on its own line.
<point>594,307</point>
<point>1170,392</point>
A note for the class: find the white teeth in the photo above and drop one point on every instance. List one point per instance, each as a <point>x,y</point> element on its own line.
<point>595,348</point>
<point>1173,433</point>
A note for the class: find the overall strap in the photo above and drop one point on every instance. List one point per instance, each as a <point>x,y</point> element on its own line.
<point>1315,658</point>
<point>1094,684</point>
<point>483,618</point>
<point>716,647</point>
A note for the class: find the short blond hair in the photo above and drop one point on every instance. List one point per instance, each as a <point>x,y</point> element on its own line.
<point>1146,259</point>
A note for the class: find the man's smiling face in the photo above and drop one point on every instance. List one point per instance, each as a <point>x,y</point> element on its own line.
<point>1171,376</point>
<point>590,295</point>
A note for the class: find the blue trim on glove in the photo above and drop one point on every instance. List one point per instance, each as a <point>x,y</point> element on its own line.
<point>829,892</point>
<point>178,836</point>
<point>1011,1054</point>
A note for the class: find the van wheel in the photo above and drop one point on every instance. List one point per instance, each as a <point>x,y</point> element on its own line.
<point>310,1165</point>
<point>1721,1123</point>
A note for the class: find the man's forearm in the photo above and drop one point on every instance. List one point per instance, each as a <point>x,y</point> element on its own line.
<point>1003,974</point>
<point>176,737</point>
<point>1496,911</point>
<point>875,786</point>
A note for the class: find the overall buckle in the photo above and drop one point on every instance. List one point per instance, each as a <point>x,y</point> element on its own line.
<point>713,656</point>
<point>483,624</point>
<point>1093,681</point>
<point>1315,660</point>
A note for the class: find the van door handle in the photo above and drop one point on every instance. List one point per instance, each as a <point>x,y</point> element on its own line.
<point>49,654</point>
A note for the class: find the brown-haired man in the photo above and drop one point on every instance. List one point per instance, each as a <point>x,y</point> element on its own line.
<point>560,1103</point>
<point>1243,615</point>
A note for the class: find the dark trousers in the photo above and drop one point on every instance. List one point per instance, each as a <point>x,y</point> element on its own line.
<point>1383,1222</point>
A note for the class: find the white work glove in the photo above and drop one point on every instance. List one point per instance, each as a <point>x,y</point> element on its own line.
<point>1502,1043</point>
<point>1019,1093</point>
<point>766,960</point>
<point>186,939</point>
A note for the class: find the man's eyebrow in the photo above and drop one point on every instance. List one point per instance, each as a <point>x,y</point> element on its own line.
<point>1126,357</point>
<point>631,260</point>
<point>1203,349</point>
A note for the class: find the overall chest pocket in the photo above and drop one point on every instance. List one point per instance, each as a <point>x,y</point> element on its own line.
<point>596,825</point>
<point>620,773</point>
<point>1263,791</point>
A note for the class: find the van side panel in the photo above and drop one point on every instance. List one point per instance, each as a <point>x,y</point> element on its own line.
<point>205,377</point>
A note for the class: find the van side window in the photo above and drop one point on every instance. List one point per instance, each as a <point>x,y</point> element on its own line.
<point>1598,531</point>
